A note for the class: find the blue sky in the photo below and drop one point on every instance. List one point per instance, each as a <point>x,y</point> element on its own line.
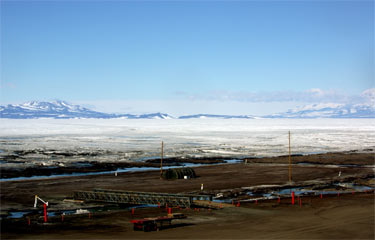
<point>224,57</point>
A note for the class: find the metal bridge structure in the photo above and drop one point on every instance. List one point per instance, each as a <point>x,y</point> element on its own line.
<point>139,198</point>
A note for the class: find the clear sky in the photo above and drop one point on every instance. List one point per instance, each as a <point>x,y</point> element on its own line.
<point>235,57</point>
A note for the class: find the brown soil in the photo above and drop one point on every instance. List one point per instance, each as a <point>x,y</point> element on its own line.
<point>346,158</point>
<point>349,216</point>
<point>346,217</point>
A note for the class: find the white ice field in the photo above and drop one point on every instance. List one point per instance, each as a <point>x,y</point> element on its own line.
<point>137,139</point>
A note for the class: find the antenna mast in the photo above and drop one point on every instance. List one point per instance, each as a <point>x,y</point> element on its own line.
<point>290,163</point>
<point>161,159</point>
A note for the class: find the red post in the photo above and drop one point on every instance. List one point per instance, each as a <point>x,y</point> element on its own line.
<point>321,195</point>
<point>62,217</point>
<point>238,203</point>
<point>278,200</point>
<point>45,212</point>
<point>132,211</point>
<point>256,201</point>
<point>293,198</point>
<point>28,221</point>
<point>170,211</point>
<point>158,204</point>
<point>232,202</point>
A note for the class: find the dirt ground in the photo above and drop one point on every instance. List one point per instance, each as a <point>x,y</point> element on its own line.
<point>347,216</point>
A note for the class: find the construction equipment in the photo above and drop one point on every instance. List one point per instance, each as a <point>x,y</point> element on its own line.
<point>130,197</point>
<point>153,224</point>
<point>38,198</point>
<point>210,204</point>
<point>179,173</point>
<point>45,204</point>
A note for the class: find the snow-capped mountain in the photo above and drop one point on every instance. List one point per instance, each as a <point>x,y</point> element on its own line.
<point>56,109</point>
<point>155,116</point>
<point>216,116</point>
<point>329,110</point>
<point>145,116</point>
<point>62,109</point>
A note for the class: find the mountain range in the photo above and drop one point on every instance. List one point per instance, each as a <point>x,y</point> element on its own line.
<point>216,116</point>
<point>329,110</point>
<point>63,110</point>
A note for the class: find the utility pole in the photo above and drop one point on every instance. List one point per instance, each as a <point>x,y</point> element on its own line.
<point>161,159</point>
<point>290,163</point>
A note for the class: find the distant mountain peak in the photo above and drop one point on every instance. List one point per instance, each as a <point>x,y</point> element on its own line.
<point>329,110</point>
<point>61,110</point>
<point>216,116</point>
<point>55,109</point>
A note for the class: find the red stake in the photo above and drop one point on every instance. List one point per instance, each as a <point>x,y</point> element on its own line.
<point>321,195</point>
<point>170,210</point>
<point>132,211</point>
<point>293,198</point>
<point>45,213</point>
